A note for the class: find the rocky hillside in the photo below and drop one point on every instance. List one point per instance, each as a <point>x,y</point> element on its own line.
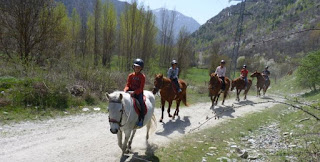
<point>271,28</point>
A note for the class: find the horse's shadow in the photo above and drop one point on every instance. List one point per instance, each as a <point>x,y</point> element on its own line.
<point>149,155</point>
<point>223,111</point>
<point>243,103</point>
<point>177,125</point>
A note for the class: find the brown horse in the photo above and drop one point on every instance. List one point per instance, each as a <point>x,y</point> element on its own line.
<point>261,83</point>
<point>240,84</point>
<point>215,86</point>
<point>168,93</point>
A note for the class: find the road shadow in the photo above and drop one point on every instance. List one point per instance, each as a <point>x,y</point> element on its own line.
<point>243,103</point>
<point>175,125</point>
<point>224,111</point>
<point>148,156</point>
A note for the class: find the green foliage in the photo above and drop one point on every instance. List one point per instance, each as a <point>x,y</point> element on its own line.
<point>309,70</point>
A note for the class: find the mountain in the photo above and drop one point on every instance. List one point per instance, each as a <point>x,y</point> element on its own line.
<point>181,21</point>
<point>273,29</point>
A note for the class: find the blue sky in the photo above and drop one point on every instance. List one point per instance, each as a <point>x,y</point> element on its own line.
<point>200,10</point>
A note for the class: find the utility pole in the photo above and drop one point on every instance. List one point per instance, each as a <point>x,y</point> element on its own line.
<point>237,38</point>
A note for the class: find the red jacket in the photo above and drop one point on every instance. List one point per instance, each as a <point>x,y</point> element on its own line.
<point>244,72</point>
<point>135,82</point>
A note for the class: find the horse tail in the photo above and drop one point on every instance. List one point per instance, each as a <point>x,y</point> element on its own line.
<point>184,99</point>
<point>152,125</point>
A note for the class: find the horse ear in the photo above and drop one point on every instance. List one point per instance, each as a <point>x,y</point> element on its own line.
<point>107,96</point>
<point>161,75</point>
<point>120,97</point>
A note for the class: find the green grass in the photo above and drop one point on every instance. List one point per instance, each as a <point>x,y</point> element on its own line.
<point>190,149</point>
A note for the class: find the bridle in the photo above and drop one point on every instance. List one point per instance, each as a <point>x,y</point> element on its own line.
<point>111,120</point>
<point>160,86</point>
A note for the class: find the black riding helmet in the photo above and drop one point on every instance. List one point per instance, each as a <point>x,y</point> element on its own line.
<point>244,66</point>
<point>174,62</point>
<point>223,62</point>
<point>138,62</point>
<point>267,67</point>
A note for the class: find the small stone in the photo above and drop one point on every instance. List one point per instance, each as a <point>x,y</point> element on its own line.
<point>285,133</point>
<point>251,140</point>
<point>252,157</point>
<point>200,141</point>
<point>292,146</point>
<point>203,159</point>
<point>244,155</point>
<point>96,109</point>
<point>65,112</point>
<point>209,154</point>
<point>85,109</point>
<point>234,146</point>
<point>5,113</point>
<point>212,148</point>
<point>195,147</point>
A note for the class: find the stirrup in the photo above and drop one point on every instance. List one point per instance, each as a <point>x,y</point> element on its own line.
<point>140,123</point>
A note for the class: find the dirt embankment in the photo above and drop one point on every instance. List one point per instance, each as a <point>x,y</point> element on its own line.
<point>87,137</point>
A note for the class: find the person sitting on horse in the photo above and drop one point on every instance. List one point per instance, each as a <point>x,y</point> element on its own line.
<point>173,73</point>
<point>135,85</point>
<point>244,73</point>
<point>266,73</point>
<point>221,72</point>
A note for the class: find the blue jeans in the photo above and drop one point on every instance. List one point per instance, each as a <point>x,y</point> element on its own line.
<point>223,83</point>
<point>175,81</point>
<point>139,97</point>
<point>246,81</point>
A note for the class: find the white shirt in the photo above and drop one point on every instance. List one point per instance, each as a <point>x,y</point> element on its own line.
<point>221,72</point>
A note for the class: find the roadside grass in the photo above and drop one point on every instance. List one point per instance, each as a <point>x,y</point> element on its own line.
<point>196,146</point>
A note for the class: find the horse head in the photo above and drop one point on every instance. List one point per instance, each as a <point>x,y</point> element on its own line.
<point>214,79</point>
<point>116,111</point>
<point>255,74</point>
<point>158,81</point>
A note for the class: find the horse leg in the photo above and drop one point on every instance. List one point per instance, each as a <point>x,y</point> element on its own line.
<point>163,102</point>
<point>224,97</point>
<point>177,109</point>
<point>170,103</point>
<point>218,98</point>
<point>238,93</point>
<point>131,138</point>
<point>125,143</point>
<point>212,101</point>
<point>119,135</point>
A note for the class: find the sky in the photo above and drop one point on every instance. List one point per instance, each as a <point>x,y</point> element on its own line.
<point>200,10</point>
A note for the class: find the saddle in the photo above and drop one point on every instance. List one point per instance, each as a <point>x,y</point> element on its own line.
<point>174,87</point>
<point>137,106</point>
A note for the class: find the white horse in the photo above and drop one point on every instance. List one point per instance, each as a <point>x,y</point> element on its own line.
<point>123,118</point>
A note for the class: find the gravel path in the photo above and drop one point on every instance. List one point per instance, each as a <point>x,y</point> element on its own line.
<point>87,137</point>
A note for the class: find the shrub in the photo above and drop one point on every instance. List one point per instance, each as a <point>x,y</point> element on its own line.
<point>309,71</point>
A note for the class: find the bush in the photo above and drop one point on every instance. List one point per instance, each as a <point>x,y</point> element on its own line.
<point>309,71</point>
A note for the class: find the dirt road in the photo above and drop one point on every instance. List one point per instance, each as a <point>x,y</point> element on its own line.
<point>87,137</point>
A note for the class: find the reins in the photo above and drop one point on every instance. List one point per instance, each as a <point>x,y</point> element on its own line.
<point>122,112</point>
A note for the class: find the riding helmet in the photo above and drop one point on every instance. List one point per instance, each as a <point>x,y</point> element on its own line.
<point>222,61</point>
<point>267,67</point>
<point>174,62</point>
<point>138,62</point>
<point>244,66</point>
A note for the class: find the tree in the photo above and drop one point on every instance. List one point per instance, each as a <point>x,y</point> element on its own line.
<point>185,51</point>
<point>109,33</point>
<point>28,26</point>
<point>75,29</point>
<point>97,31</point>
<point>309,71</point>
<point>167,37</point>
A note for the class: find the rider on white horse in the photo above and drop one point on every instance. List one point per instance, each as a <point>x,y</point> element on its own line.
<point>135,85</point>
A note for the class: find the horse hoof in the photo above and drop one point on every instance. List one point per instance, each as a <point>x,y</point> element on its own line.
<point>170,115</point>
<point>160,120</point>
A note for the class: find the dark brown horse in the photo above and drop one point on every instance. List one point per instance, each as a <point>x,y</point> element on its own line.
<point>240,84</point>
<point>261,83</point>
<point>168,93</point>
<point>215,86</point>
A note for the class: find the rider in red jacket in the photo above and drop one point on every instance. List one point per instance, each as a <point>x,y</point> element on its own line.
<point>244,74</point>
<point>135,83</point>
